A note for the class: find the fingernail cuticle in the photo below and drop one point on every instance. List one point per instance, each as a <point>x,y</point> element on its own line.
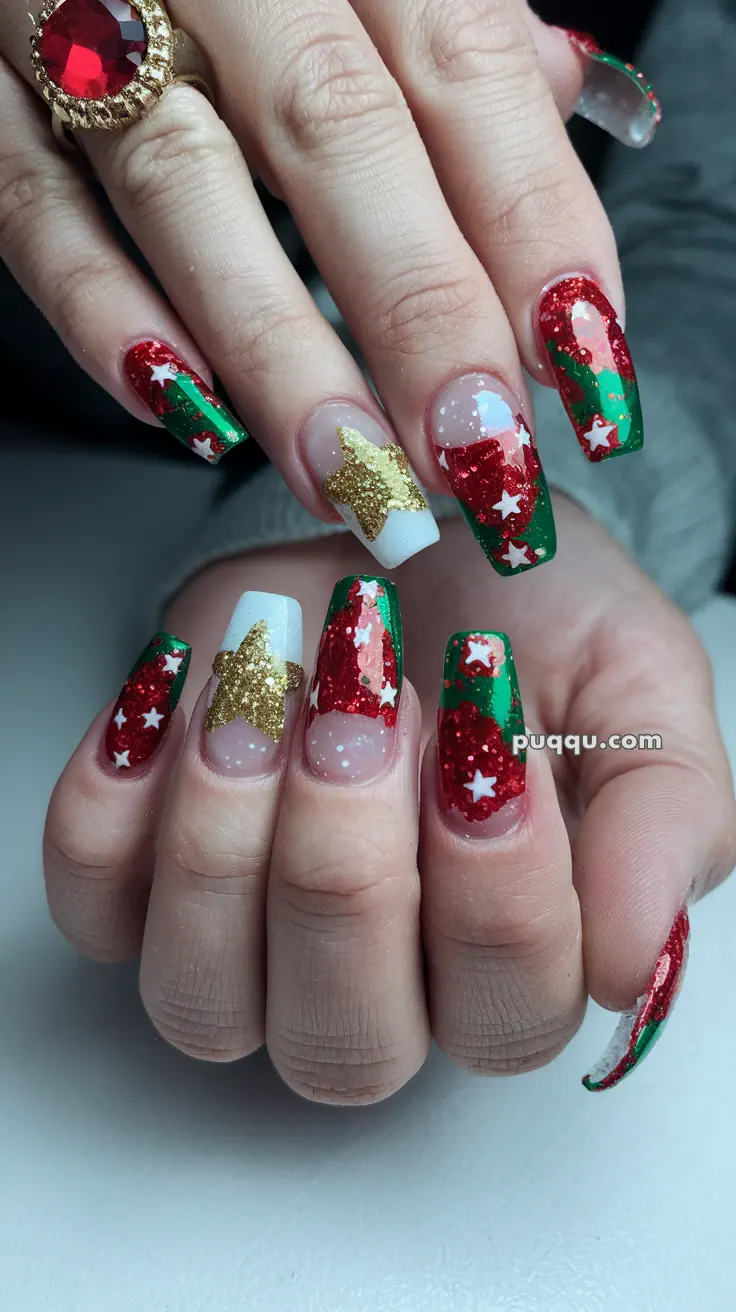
<point>182,401</point>
<point>147,701</point>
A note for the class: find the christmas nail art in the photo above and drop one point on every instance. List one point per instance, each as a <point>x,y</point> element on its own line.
<point>182,401</point>
<point>366,475</point>
<point>148,699</point>
<point>258,665</point>
<point>593,367</point>
<point>615,95</point>
<point>490,460</point>
<point>356,687</point>
<point>480,714</point>
<point>639,1029</point>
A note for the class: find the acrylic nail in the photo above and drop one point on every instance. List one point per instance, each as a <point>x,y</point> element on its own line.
<point>257,666</point>
<point>615,96</point>
<point>592,365</point>
<point>147,701</point>
<point>356,689</point>
<point>639,1029</point>
<point>482,780</point>
<point>182,401</point>
<point>362,470</point>
<point>489,457</point>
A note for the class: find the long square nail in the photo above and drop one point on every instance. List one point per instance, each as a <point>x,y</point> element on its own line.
<point>489,458</point>
<point>362,470</point>
<point>182,401</point>
<point>147,701</point>
<point>257,666</point>
<point>356,689</point>
<point>593,368</point>
<point>616,96</point>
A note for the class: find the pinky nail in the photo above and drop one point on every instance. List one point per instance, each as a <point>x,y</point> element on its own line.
<point>615,96</point>
<point>182,401</point>
<point>639,1029</point>
<point>355,692</point>
<point>592,365</point>
<point>148,699</point>
<point>482,778</point>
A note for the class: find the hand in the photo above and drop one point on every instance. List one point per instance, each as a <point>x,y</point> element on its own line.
<point>319,858</point>
<point>421,149</point>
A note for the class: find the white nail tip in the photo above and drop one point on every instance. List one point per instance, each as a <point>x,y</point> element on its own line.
<point>405,533</point>
<point>283,615</point>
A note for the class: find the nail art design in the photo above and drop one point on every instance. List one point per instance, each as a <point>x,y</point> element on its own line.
<point>593,367</point>
<point>356,688</point>
<point>490,460</point>
<point>366,475</point>
<point>480,713</point>
<point>258,665</point>
<point>615,96</point>
<point>182,401</point>
<point>148,699</point>
<point>639,1029</point>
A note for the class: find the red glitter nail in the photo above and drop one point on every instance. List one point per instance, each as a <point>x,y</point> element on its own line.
<point>147,702</point>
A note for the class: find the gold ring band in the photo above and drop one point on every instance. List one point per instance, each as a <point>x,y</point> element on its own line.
<point>103,64</point>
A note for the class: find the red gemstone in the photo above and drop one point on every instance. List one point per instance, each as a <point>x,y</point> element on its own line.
<point>93,48</point>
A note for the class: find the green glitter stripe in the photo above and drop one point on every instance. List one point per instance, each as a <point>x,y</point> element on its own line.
<point>194,414</point>
<point>646,88</point>
<point>643,1046</point>
<point>540,533</point>
<point>604,394</point>
<point>497,698</point>
<point>388,606</point>
<point>165,644</point>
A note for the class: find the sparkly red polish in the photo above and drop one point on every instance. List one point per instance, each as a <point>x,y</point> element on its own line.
<point>593,368</point>
<point>359,667</point>
<point>182,401</point>
<point>147,702</point>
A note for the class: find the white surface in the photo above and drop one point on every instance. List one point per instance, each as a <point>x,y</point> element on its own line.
<point>283,615</point>
<point>135,1180</point>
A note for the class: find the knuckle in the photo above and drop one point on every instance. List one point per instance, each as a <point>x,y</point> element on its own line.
<point>357,1073</point>
<point>331,89</point>
<point>355,897</point>
<point>271,336</point>
<point>26,195</point>
<point>531,203</point>
<point>426,305</point>
<point>473,39</point>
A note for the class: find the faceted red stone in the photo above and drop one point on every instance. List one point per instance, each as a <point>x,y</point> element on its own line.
<point>93,48</point>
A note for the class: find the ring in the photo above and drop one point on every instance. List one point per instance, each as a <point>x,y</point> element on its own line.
<point>104,63</point>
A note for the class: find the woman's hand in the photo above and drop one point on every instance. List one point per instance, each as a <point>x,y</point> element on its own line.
<point>518,892</point>
<point>420,146</point>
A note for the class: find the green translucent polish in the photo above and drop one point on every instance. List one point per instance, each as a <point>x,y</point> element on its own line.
<point>606,394</point>
<point>540,536</point>
<point>193,414</point>
<point>497,698</point>
<point>650,1035</point>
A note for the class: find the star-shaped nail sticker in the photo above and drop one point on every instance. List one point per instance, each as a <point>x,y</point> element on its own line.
<point>253,685</point>
<point>373,481</point>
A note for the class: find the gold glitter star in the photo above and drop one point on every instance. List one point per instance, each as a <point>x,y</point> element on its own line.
<point>373,481</point>
<point>253,685</point>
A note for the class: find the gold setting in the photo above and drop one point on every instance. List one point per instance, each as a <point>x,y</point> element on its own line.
<point>155,74</point>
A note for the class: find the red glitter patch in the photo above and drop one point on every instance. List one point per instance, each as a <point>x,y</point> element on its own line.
<point>140,363</point>
<point>135,729</point>
<point>469,742</point>
<point>479,475</point>
<point>356,663</point>
<point>556,325</point>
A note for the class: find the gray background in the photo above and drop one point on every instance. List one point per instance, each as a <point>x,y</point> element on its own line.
<point>134,1180</point>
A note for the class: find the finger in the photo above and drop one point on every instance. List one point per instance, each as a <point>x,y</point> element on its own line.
<point>58,246</point>
<point>659,828</point>
<point>501,921</point>
<point>346,1019</point>
<point>203,971</point>
<point>103,817</point>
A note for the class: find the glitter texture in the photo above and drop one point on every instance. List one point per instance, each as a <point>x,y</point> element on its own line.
<point>359,667</point>
<point>638,1030</point>
<point>616,95</point>
<point>182,401</point>
<point>373,481</point>
<point>480,712</point>
<point>253,683</point>
<point>593,367</point>
<point>147,702</point>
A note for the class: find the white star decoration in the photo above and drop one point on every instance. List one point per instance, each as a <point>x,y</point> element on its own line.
<point>516,556</point>
<point>481,786</point>
<point>443,462</point>
<point>508,505</point>
<point>163,373</point>
<point>388,695</point>
<point>479,651</point>
<point>152,719</point>
<point>122,759</point>
<point>368,588</point>
<point>524,438</point>
<point>599,434</point>
<point>204,448</point>
<point>362,636</point>
<point>171,664</point>
<point>314,696</point>
<point>120,719</point>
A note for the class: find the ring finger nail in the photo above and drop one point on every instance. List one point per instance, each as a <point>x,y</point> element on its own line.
<point>148,699</point>
<point>490,460</point>
<point>182,401</point>
<point>639,1029</point>
<point>592,365</point>
<point>482,779</point>
<point>355,691</point>
<point>615,96</point>
<point>366,475</point>
<point>257,666</point>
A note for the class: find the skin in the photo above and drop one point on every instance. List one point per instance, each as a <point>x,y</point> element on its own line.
<point>382,925</point>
